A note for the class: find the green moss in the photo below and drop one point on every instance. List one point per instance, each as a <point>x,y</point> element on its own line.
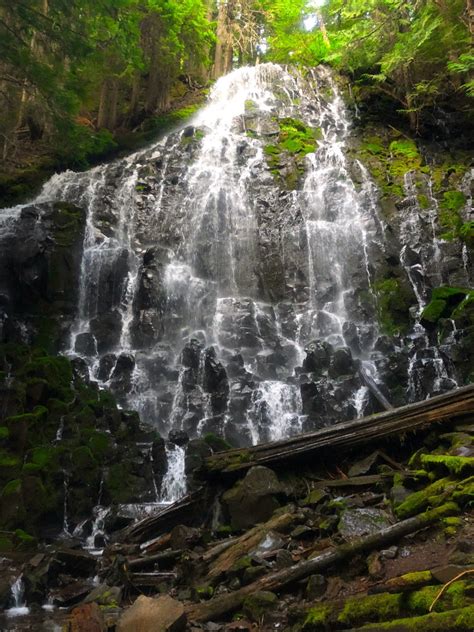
<point>460,620</point>
<point>432,495</point>
<point>218,444</point>
<point>99,444</point>
<point>4,433</point>
<point>204,592</point>
<point>13,487</point>
<point>464,493</point>
<point>295,141</point>
<point>415,579</point>
<point>454,464</point>
<point>24,541</point>
<point>8,461</point>
<point>423,201</point>
<point>6,543</point>
<point>454,596</point>
<point>258,604</point>
<point>317,618</point>
<point>393,304</point>
<point>445,301</point>
<point>241,564</point>
<point>371,608</point>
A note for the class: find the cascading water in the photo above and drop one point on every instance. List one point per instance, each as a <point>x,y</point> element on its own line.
<point>223,291</point>
<point>19,607</point>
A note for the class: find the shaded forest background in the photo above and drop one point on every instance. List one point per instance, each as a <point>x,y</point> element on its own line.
<point>83,80</point>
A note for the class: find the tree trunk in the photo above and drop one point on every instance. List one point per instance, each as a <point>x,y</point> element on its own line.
<point>224,46</point>
<point>219,606</point>
<point>107,117</point>
<point>25,95</point>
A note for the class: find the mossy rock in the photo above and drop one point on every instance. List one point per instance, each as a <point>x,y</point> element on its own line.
<point>217,444</point>
<point>394,300</point>
<point>444,301</point>
<point>370,608</point>
<point>317,618</point>
<point>257,605</point>
<point>456,465</point>
<point>460,620</point>
<point>432,495</point>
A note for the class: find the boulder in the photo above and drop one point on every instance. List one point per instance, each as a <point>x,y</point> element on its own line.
<point>164,614</point>
<point>253,499</point>
<point>86,618</point>
<point>355,523</point>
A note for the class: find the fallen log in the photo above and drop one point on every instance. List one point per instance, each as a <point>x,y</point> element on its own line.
<point>219,606</point>
<point>164,520</point>
<point>247,542</point>
<point>452,406</point>
<point>150,580</point>
<point>164,556</point>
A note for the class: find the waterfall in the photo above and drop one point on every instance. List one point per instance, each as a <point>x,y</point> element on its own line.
<point>227,278</point>
<point>19,607</point>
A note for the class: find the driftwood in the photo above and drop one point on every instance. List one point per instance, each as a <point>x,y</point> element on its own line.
<point>216,550</point>
<point>451,406</point>
<point>247,542</point>
<point>219,606</point>
<point>165,519</point>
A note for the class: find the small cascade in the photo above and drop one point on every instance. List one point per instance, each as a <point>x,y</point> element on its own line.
<point>66,530</point>
<point>275,412</point>
<point>174,482</point>
<point>98,537</point>
<point>19,607</point>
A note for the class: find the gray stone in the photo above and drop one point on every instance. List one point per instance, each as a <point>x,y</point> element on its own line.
<point>164,614</point>
<point>355,523</point>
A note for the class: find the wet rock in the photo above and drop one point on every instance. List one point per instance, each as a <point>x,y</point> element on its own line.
<point>163,614</point>
<point>196,451</point>
<point>106,365</point>
<point>253,499</point>
<point>355,523</point>
<point>191,354</point>
<point>318,355</point>
<point>341,363</point>
<point>85,345</point>
<point>178,437</point>
<point>106,330</point>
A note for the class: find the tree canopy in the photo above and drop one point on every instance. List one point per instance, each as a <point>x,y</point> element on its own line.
<point>85,69</point>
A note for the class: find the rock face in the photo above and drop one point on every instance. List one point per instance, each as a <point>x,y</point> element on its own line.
<point>154,615</point>
<point>67,451</point>
<point>40,259</point>
<point>265,272</point>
